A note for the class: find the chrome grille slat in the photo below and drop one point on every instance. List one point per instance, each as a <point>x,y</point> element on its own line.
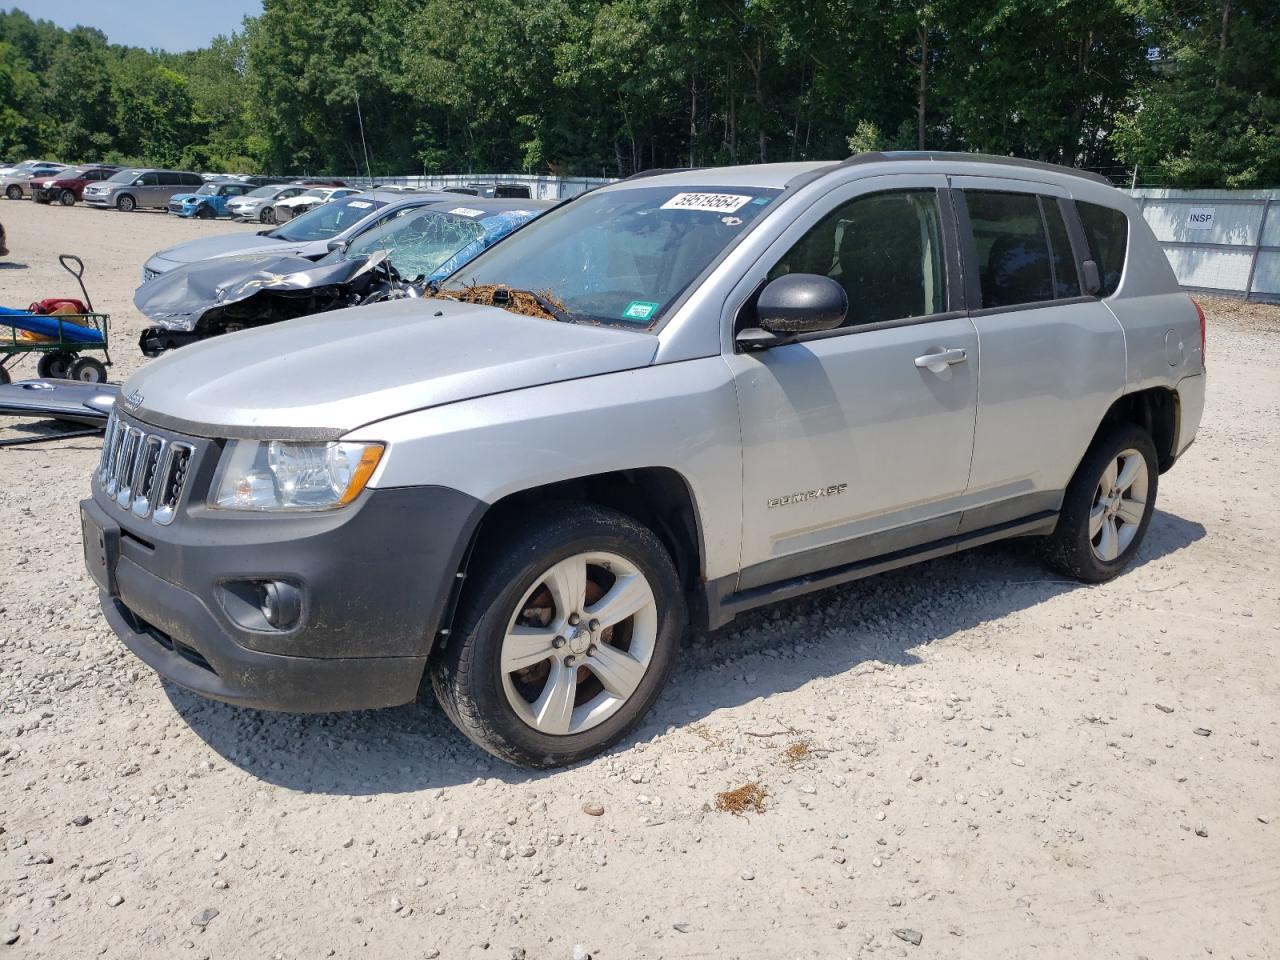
<point>144,473</point>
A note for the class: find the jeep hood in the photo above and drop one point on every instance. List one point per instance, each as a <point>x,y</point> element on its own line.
<point>322,376</point>
<point>224,245</point>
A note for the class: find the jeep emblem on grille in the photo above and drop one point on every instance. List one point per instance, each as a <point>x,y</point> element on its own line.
<point>133,401</point>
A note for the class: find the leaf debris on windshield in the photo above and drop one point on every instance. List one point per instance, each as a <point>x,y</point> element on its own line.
<point>544,305</point>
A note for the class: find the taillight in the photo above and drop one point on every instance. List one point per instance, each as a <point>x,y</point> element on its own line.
<point>1200,313</point>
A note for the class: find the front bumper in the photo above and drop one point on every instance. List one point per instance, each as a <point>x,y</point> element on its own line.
<point>375,578</point>
<point>99,199</point>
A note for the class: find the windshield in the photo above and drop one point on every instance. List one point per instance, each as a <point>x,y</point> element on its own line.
<point>264,192</point>
<point>316,193</point>
<point>325,221</point>
<point>124,176</point>
<point>208,189</point>
<point>618,257</point>
<point>417,245</point>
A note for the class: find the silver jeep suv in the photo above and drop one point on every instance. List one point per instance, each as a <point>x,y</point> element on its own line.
<point>665,402</point>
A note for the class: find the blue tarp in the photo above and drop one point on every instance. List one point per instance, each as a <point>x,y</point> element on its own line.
<point>48,326</point>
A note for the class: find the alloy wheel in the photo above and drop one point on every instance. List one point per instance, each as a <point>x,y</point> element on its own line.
<point>579,643</point>
<point>1119,504</point>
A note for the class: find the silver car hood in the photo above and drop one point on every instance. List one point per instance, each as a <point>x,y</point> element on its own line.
<point>225,245</point>
<point>321,376</point>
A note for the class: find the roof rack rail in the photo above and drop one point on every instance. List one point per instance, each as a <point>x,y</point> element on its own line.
<point>960,156</point>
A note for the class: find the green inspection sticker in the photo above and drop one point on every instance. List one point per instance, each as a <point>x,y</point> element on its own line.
<point>639,310</point>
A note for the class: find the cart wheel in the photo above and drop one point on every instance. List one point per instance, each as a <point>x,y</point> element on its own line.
<point>88,370</point>
<point>55,366</point>
<point>4,376</point>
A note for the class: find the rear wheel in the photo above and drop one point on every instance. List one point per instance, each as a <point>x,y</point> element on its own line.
<point>88,370</point>
<point>126,204</point>
<point>565,638</point>
<point>67,198</point>
<point>55,366</point>
<point>14,192</point>
<point>1107,507</point>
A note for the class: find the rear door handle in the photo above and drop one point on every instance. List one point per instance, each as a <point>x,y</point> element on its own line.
<point>939,360</point>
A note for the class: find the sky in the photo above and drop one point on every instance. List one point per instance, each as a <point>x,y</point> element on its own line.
<point>173,25</point>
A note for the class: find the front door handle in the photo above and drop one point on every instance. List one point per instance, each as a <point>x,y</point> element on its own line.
<point>939,360</point>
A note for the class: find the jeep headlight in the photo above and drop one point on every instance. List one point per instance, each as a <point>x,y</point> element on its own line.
<point>284,475</point>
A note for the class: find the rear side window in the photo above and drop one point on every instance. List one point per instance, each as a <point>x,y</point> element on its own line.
<point>1107,232</point>
<point>1013,250</point>
<point>885,249</point>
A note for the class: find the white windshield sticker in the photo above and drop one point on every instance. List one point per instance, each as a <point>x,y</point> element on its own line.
<point>712,202</point>
<point>466,211</point>
<point>361,204</point>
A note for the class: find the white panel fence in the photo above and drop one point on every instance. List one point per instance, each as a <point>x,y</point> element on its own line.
<point>1221,241</point>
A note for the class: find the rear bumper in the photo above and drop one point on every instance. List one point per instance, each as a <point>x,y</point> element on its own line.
<point>1191,391</point>
<point>375,581</point>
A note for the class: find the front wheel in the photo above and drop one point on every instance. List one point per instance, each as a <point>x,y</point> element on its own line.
<point>267,216</point>
<point>126,204</point>
<point>1107,507</point>
<point>564,639</point>
<point>67,198</point>
<point>205,213</point>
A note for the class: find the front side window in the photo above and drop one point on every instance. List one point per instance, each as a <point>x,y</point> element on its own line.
<point>149,180</point>
<point>1107,232</point>
<point>1012,247</point>
<point>885,249</point>
<point>619,257</point>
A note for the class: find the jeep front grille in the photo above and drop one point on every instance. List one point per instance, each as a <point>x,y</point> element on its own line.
<point>143,472</point>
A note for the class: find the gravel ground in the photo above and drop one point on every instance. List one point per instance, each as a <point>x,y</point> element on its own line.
<point>971,758</point>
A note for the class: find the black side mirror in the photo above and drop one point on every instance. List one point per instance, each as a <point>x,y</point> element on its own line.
<point>1092,281</point>
<point>335,245</point>
<point>794,304</point>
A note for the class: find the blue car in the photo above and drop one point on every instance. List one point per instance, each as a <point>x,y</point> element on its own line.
<point>210,201</point>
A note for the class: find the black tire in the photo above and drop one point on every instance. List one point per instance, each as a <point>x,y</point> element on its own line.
<point>4,376</point>
<point>55,366</point>
<point>126,204</point>
<point>14,192</point>
<point>205,213</point>
<point>267,216</point>
<point>67,198</point>
<point>88,370</point>
<point>1070,548</point>
<point>467,676</point>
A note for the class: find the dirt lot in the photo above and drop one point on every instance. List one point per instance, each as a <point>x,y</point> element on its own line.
<point>973,754</point>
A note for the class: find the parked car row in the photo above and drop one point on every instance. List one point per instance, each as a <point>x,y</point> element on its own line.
<point>182,192</point>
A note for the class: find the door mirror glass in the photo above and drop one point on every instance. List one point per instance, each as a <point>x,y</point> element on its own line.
<point>801,303</point>
<point>335,245</point>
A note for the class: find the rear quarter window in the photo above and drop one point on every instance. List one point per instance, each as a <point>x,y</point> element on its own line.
<point>1107,232</point>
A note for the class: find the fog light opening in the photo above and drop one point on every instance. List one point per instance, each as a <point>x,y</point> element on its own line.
<point>280,603</point>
